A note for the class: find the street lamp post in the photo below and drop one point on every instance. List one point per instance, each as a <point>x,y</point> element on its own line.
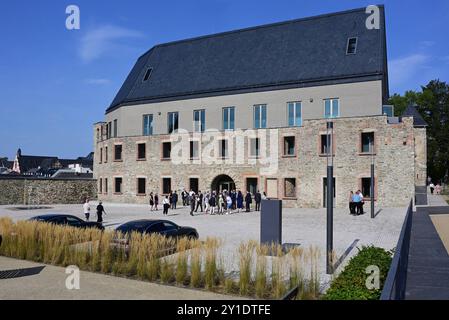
<point>330,198</point>
<point>372,177</point>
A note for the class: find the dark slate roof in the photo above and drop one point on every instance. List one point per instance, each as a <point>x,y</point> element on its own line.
<point>296,53</point>
<point>412,111</point>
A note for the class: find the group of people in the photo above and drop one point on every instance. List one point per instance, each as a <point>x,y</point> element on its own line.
<point>100,210</point>
<point>169,201</point>
<point>356,203</point>
<point>210,202</point>
<point>435,188</point>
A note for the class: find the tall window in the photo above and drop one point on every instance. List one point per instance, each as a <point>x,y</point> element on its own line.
<point>325,144</point>
<point>254,147</point>
<point>118,185</point>
<point>166,185</point>
<point>166,150</point>
<point>228,118</point>
<point>115,128</point>
<point>118,152</point>
<point>101,155</point>
<point>366,187</point>
<point>109,130</point>
<point>289,146</point>
<point>294,114</point>
<point>147,124</point>
<point>331,108</point>
<point>141,184</point>
<point>100,186</point>
<point>367,142</point>
<point>194,149</point>
<point>105,185</point>
<point>199,120</point>
<point>105,154</point>
<point>290,188</point>
<point>141,151</point>
<point>223,148</point>
<point>172,121</point>
<point>260,116</point>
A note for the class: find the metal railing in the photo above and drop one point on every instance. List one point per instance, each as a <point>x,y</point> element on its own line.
<point>395,284</point>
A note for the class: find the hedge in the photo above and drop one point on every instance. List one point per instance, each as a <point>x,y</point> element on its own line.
<point>351,283</point>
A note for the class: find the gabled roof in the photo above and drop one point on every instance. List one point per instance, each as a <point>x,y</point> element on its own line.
<point>296,53</point>
<point>412,111</point>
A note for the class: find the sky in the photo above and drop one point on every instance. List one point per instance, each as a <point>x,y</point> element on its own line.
<point>56,83</point>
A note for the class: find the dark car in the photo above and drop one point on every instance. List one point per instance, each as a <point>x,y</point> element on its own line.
<point>69,220</point>
<point>163,227</point>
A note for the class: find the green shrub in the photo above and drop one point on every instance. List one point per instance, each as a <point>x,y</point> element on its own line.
<point>351,283</point>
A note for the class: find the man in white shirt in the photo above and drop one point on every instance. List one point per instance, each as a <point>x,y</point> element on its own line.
<point>86,209</point>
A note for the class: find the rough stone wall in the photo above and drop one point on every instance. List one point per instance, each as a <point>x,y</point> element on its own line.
<point>394,164</point>
<point>420,156</point>
<point>20,191</point>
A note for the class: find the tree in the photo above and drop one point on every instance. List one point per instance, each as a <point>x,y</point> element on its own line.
<point>433,105</point>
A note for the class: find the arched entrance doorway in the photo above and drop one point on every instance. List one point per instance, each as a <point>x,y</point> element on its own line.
<point>222,182</point>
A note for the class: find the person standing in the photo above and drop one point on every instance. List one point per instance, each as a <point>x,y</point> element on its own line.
<point>166,205</point>
<point>248,201</point>
<point>199,201</point>
<point>351,203</point>
<point>220,203</point>
<point>183,197</point>
<point>264,196</point>
<point>257,199</point>
<point>86,209</point>
<point>151,201</point>
<point>432,187</point>
<point>100,211</point>
<point>192,198</point>
<point>174,200</point>
<point>239,201</point>
<point>156,201</point>
<point>234,199</point>
<point>212,203</point>
<point>228,204</point>
<point>206,202</point>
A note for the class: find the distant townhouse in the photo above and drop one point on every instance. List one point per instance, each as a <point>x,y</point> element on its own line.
<point>254,107</point>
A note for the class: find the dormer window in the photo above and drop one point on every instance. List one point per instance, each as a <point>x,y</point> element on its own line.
<point>147,74</point>
<point>352,46</point>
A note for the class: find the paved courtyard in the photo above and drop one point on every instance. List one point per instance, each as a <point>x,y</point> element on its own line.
<point>305,227</point>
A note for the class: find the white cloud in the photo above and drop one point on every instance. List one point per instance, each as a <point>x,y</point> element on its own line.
<point>407,69</point>
<point>97,42</point>
<point>99,81</point>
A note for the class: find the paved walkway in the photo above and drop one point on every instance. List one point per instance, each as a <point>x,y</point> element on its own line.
<point>428,266</point>
<point>49,284</point>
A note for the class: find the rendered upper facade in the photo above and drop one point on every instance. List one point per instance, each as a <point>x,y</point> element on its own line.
<point>251,106</point>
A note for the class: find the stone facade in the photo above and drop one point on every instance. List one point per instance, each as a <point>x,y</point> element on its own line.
<point>398,157</point>
<point>23,191</point>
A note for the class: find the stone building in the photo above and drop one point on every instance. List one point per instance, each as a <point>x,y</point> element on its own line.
<point>248,109</point>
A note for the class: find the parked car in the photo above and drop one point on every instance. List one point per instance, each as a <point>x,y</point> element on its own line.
<point>69,220</point>
<point>163,227</point>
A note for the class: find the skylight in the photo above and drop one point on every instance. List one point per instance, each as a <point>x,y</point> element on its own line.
<point>352,46</point>
<point>147,74</point>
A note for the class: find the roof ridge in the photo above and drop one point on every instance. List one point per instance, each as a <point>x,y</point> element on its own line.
<point>262,26</point>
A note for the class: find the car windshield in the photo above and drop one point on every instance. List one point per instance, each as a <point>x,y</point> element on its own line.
<point>139,226</point>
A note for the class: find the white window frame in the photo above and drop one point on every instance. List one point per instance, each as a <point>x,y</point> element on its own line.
<point>331,100</point>
<point>294,113</point>
<point>260,107</point>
